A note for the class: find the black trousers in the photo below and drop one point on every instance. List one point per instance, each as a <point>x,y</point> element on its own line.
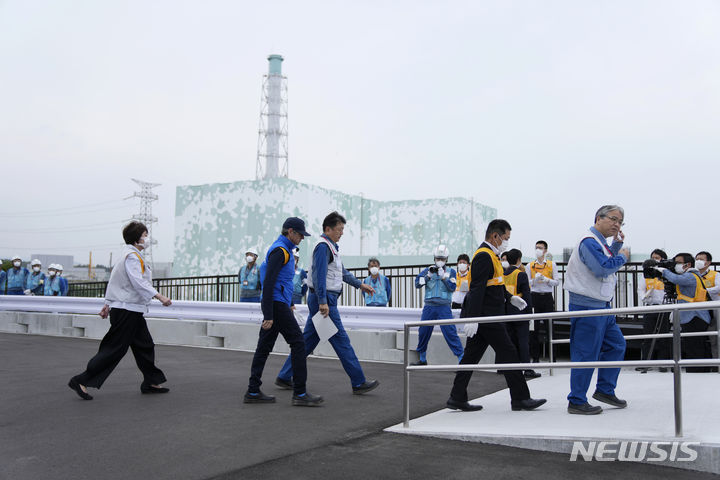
<point>662,349</point>
<point>127,330</point>
<point>519,334</point>
<point>695,347</point>
<point>542,303</point>
<point>496,336</point>
<point>284,324</point>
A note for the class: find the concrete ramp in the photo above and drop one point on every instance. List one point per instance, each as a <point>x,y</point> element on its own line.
<point>614,435</point>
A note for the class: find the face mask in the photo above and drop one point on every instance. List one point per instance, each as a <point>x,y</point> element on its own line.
<point>17,263</point>
<point>146,242</point>
<point>505,264</point>
<point>679,269</point>
<point>539,253</point>
<point>36,269</point>
<point>462,267</point>
<point>503,246</point>
<point>699,264</point>
<point>374,270</point>
<point>439,263</point>
<point>249,259</point>
<point>51,273</point>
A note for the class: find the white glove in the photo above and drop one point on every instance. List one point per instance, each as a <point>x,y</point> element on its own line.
<point>518,302</point>
<point>421,281</point>
<point>660,269</point>
<point>441,272</point>
<point>470,329</point>
<point>27,292</point>
<point>446,276</point>
<point>539,277</point>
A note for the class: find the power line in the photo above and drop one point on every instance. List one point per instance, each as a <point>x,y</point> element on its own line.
<point>49,213</point>
<point>88,227</point>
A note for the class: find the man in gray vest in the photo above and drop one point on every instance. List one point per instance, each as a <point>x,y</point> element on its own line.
<point>325,280</point>
<point>591,278</point>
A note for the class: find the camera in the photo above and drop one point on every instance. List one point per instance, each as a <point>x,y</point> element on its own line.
<point>649,267</point>
<point>433,269</point>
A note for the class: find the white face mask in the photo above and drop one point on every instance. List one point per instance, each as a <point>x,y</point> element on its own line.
<point>503,246</point>
<point>505,264</point>
<point>374,270</point>
<point>539,253</point>
<point>249,259</point>
<point>17,263</point>
<point>51,273</point>
<point>145,242</point>
<point>699,264</point>
<point>36,269</point>
<point>439,263</point>
<point>462,267</point>
<point>679,269</point>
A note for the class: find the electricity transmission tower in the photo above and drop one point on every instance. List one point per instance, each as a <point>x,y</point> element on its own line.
<point>145,216</point>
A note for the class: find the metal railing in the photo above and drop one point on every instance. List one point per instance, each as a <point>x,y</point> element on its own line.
<point>676,362</point>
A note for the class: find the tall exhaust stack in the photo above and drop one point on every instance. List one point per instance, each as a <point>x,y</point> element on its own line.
<point>272,151</point>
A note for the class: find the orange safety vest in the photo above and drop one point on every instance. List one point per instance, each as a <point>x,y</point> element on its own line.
<point>459,278</point>
<point>654,284</point>
<point>511,282</point>
<point>709,278</point>
<point>700,292</point>
<point>546,270</point>
<point>498,277</point>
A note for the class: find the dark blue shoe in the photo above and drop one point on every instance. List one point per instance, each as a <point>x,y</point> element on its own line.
<point>366,387</point>
<point>258,397</point>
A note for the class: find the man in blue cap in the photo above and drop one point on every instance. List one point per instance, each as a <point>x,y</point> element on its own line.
<point>276,274</point>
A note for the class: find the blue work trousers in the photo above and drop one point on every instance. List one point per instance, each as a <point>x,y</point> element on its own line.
<point>15,291</point>
<point>594,339</point>
<point>340,342</point>
<point>439,312</point>
<point>250,300</point>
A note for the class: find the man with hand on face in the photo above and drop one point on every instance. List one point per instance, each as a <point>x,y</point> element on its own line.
<point>277,272</point>
<point>488,297</point>
<point>543,276</point>
<point>249,278</point>
<point>591,278</point>
<point>325,280</point>
<point>16,277</point>
<point>439,282</point>
<point>690,289</point>
<point>711,280</point>
<point>35,283</point>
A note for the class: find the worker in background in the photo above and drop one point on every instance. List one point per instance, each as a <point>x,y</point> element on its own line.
<point>382,294</point>
<point>35,283</point>
<point>711,280</point>
<point>543,276</point>
<point>462,280</point>
<point>439,282</point>
<point>52,283</point>
<point>299,281</point>
<point>651,291</point>
<point>16,277</point>
<point>64,287</point>
<point>3,277</point>
<point>249,278</point>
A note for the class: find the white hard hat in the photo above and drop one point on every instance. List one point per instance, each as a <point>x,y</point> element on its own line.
<point>58,267</point>
<point>52,266</point>
<point>442,252</point>
<point>252,250</point>
<point>35,262</point>
<point>15,257</point>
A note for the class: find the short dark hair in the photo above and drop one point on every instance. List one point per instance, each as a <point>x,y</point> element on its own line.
<point>660,252</point>
<point>133,231</point>
<point>543,243</point>
<point>332,220</point>
<point>463,256</point>
<point>513,255</point>
<point>687,258</point>
<point>373,259</point>
<point>707,255</point>
<point>498,226</point>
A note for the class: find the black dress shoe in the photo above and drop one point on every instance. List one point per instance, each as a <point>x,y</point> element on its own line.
<point>258,397</point>
<point>147,388</point>
<point>365,387</point>
<point>464,406</point>
<point>76,386</point>
<point>610,399</point>
<point>283,384</point>
<point>584,409</point>
<point>532,374</point>
<point>419,364</point>
<point>528,404</point>
<point>307,400</point>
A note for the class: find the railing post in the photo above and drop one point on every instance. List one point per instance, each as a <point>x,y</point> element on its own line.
<point>677,384</point>
<point>217,289</point>
<point>550,336</point>
<point>406,377</point>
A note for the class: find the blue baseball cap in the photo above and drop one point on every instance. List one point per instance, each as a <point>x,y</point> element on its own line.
<point>296,224</point>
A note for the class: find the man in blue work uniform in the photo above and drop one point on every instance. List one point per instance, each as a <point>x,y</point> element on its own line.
<point>325,281</point>
<point>35,283</point>
<point>3,277</point>
<point>16,277</point>
<point>277,273</point>
<point>439,283</point>
<point>380,283</point>
<point>591,278</point>
<point>64,286</point>
<point>249,278</point>
<point>299,281</point>
<point>52,283</point>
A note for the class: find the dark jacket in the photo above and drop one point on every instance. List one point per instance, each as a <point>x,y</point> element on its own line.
<point>523,288</point>
<point>481,300</point>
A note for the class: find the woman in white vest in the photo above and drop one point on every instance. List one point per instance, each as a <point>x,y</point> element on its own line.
<point>591,279</point>
<point>128,294</point>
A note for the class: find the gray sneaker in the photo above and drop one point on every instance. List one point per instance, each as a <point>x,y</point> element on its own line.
<point>584,409</point>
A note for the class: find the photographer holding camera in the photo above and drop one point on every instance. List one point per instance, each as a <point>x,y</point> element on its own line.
<point>690,288</point>
<point>651,291</point>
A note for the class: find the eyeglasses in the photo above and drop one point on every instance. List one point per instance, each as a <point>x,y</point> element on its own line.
<point>616,220</point>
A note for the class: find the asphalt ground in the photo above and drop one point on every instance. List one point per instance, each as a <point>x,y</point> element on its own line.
<point>202,430</point>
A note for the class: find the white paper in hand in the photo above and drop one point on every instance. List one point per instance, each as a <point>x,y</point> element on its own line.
<point>324,326</point>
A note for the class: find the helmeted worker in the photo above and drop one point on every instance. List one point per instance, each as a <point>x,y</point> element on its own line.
<point>35,283</point>
<point>381,284</point>
<point>299,281</point>
<point>249,278</point>
<point>439,283</point>
<point>52,282</point>
<point>462,280</point>
<point>64,287</point>
<point>16,277</point>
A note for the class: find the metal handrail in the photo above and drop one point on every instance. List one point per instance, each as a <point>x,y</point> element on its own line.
<point>676,362</point>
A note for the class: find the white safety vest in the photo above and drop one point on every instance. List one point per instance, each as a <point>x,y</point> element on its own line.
<point>334,278</point>
<point>581,280</point>
<point>121,291</point>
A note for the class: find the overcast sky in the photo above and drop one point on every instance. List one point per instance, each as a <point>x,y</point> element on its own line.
<point>543,109</point>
